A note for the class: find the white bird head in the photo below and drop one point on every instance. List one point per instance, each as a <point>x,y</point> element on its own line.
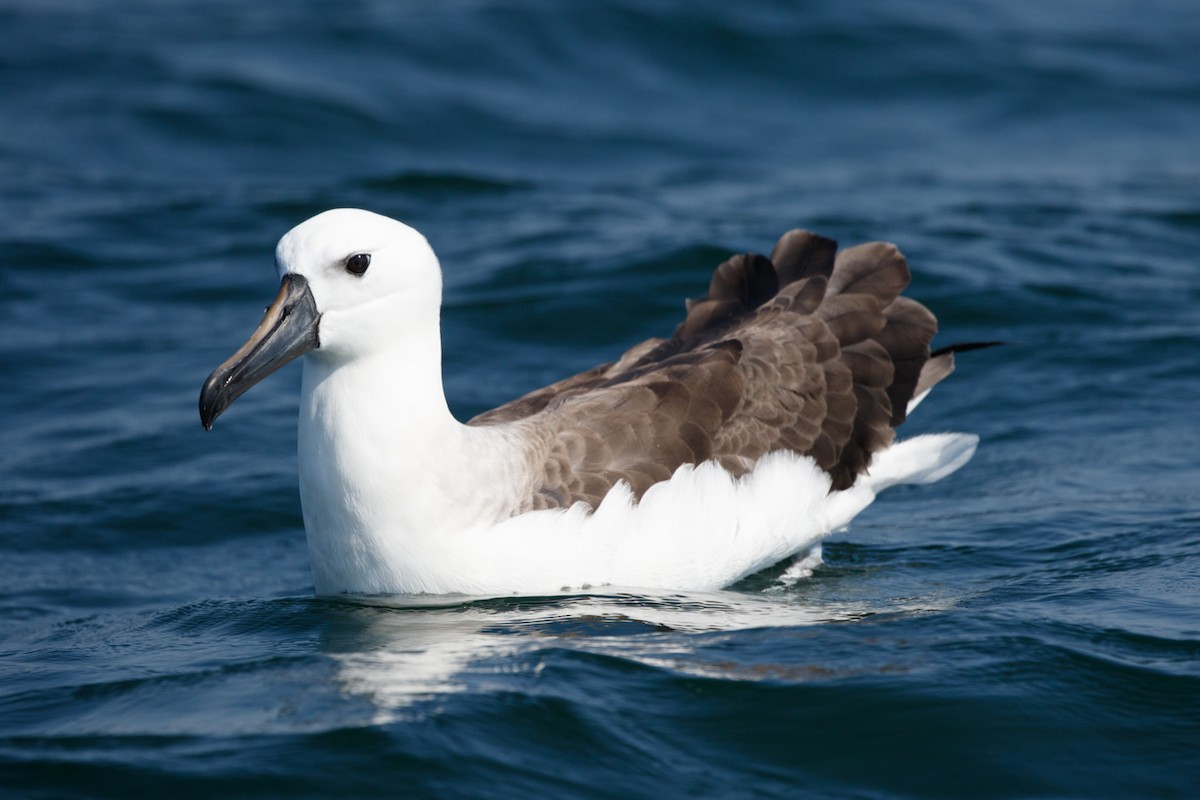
<point>353,282</point>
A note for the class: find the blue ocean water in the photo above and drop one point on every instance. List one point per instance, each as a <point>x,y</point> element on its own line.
<point>1029,627</point>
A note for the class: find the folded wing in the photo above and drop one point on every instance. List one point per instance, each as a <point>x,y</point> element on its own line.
<point>811,350</point>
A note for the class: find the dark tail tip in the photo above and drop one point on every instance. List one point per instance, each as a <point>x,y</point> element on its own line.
<point>964,347</point>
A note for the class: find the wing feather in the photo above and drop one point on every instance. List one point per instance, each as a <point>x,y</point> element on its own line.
<point>811,350</point>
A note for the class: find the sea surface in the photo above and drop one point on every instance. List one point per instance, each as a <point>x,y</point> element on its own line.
<point>1029,627</point>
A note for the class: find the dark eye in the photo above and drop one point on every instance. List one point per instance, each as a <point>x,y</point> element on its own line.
<point>357,264</point>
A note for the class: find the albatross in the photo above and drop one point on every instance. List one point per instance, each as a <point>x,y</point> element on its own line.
<point>764,423</point>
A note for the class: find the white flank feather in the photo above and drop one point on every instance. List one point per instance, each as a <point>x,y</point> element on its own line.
<point>700,530</point>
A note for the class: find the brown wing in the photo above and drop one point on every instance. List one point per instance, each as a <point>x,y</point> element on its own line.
<point>810,350</point>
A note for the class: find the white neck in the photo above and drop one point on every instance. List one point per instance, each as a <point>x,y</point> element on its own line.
<point>386,472</point>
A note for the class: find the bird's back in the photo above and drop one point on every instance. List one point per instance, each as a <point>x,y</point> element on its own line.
<point>811,351</point>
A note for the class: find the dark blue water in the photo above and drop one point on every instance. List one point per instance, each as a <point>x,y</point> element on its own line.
<point>1029,627</point>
